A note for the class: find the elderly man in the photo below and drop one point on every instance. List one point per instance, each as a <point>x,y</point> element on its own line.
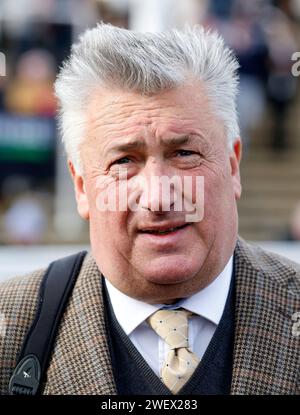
<point>169,300</point>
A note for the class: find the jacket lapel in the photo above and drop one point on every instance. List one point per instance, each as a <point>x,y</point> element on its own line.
<point>267,347</point>
<point>80,364</point>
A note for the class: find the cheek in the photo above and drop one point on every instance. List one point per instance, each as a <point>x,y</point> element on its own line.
<point>109,228</point>
<point>218,191</point>
<point>104,205</point>
<point>217,211</point>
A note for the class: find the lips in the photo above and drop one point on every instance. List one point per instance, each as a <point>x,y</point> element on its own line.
<point>162,230</point>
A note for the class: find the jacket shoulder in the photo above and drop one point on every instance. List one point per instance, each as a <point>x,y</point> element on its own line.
<point>283,270</point>
<point>18,304</point>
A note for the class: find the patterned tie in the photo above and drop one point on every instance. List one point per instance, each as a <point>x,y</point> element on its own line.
<point>181,362</point>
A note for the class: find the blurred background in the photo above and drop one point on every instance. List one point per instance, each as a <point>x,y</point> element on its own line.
<point>38,217</point>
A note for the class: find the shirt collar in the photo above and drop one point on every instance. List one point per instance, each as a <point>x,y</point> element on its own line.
<point>208,303</point>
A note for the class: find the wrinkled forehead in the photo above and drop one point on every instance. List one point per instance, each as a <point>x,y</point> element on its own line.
<point>117,114</point>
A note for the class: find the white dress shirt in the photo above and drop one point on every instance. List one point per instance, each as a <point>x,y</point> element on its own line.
<point>208,305</point>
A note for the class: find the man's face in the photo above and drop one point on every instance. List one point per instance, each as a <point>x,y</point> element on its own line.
<point>174,134</point>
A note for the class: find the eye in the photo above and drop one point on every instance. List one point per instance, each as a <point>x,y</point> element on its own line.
<point>185,153</point>
<point>122,160</point>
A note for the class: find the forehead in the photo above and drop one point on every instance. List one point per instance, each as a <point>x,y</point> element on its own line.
<point>121,113</point>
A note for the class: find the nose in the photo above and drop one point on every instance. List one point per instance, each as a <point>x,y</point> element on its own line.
<point>157,193</point>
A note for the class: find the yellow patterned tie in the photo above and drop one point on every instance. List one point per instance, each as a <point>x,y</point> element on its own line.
<point>181,362</point>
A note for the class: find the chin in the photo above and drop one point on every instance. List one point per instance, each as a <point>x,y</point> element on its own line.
<point>170,272</point>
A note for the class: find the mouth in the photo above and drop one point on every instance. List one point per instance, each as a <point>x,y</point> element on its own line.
<point>165,231</point>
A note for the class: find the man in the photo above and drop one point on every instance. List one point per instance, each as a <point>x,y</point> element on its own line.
<point>170,299</point>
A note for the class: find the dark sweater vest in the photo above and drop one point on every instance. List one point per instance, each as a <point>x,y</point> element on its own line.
<point>133,375</point>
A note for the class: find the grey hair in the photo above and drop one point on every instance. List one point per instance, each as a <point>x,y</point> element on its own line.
<point>146,63</point>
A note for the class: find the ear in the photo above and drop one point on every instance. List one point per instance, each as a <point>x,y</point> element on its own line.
<point>80,192</point>
<point>235,158</point>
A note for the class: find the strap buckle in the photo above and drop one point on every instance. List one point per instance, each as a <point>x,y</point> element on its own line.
<point>26,377</point>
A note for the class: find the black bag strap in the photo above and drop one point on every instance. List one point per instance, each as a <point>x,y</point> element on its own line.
<point>55,289</point>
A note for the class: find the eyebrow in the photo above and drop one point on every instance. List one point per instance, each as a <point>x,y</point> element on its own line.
<point>137,144</point>
<point>173,141</point>
<point>128,146</point>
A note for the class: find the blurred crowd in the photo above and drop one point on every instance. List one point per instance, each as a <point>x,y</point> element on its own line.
<point>36,36</point>
<point>263,35</point>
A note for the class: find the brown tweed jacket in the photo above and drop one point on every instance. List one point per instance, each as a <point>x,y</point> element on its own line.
<point>266,347</point>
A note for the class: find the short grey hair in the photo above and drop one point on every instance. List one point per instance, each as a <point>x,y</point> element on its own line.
<point>146,63</point>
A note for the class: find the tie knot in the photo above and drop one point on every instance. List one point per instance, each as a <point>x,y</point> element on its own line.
<point>172,326</point>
